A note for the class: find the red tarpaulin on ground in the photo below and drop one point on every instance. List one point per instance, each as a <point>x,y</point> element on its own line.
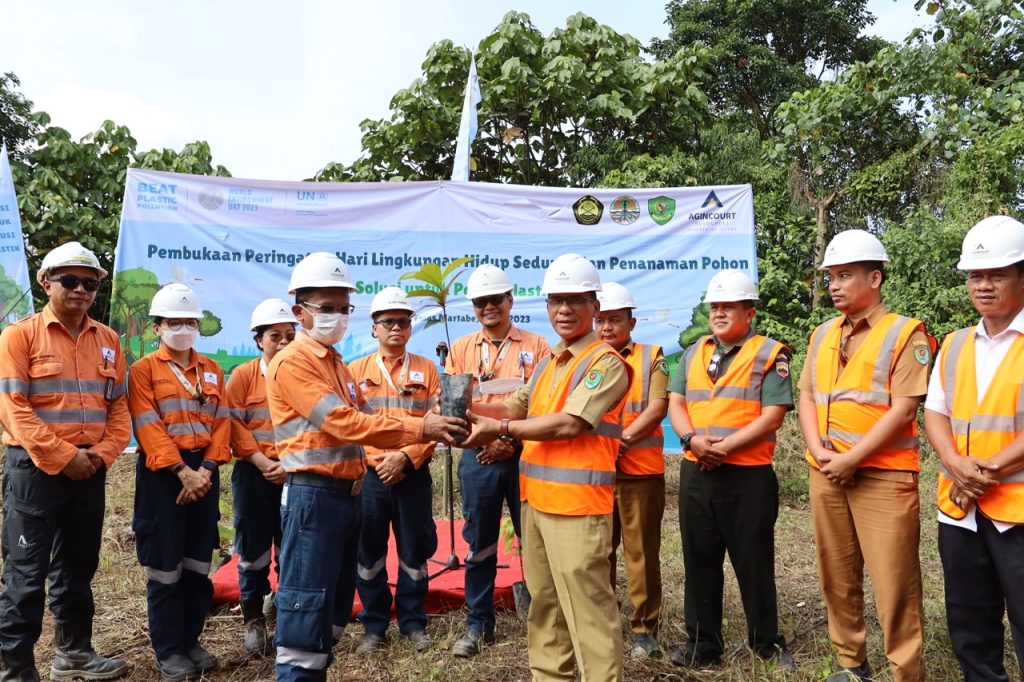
<point>447,591</point>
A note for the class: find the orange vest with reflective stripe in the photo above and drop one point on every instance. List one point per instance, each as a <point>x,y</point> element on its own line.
<point>647,456</point>
<point>723,407</point>
<point>983,429</point>
<point>572,477</point>
<point>850,402</point>
<point>250,414</point>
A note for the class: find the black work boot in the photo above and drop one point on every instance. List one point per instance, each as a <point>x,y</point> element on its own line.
<point>256,639</point>
<point>18,667</point>
<point>76,659</point>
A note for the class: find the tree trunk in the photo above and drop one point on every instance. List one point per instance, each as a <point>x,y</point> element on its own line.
<point>821,209</point>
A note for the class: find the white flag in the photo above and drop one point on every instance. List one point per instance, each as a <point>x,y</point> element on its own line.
<point>467,126</point>
<point>15,291</point>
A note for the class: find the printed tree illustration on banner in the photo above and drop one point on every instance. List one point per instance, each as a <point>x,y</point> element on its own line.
<point>13,301</point>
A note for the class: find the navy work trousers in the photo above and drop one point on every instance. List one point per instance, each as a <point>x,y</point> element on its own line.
<point>175,543</point>
<point>317,582</point>
<point>52,528</point>
<point>257,528</point>
<point>406,507</point>
<point>485,489</point>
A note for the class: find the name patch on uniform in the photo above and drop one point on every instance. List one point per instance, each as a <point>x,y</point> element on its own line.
<point>210,377</point>
<point>594,378</point>
<point>417,376</point>
<point>525,358</point>
<point>108,354</point>
<point>922,353</point>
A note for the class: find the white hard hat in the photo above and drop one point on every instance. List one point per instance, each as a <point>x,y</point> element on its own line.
<point>570,273</point>
<point>994,242</point>
<point>271,311</point>
<point>176,301</point>
<point>390,298</point>
<point>853,246</point>
<point>69,255</point>
<point>487,280</point>
<point>730,285</point>
<point>614,296</point>
<point>320,270</point>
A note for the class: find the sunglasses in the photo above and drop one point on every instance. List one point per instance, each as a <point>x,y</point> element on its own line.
<point>716,361</point>
<point>391,323</point>
<point>485,301</point>
<point>71,282</point>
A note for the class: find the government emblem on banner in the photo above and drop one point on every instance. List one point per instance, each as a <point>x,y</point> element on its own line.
<point>625,210</point>
<point>588,210</point>
<point>661,209</point>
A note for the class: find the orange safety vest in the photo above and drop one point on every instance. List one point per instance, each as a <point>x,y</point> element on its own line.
<point>725,406</point>
<point>983,429</point>
<point>851,401</point>
<point>646,457</point>
<point>572,477</point>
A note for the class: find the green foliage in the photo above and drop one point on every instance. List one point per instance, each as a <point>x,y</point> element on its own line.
<point>13,301</point>
<point>18,127</point>
<point>209,324</point>
<point>129,311</point>
<point>438,285</point>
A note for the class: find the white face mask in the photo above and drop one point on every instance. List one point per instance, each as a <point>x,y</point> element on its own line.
<point>180,340</point>
<point>328,328</point>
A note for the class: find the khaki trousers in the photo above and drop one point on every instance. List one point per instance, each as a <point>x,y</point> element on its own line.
<point>565,564</point>
<point>874,523</point>
<point>636,522</point>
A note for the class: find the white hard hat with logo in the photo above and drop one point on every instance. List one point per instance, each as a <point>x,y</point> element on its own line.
<point>994,242</point>
<point>176,301</point>
<point>570,273</point>
<point>614,296</point>
<point>487,280</point>
<point>390,298</point>
<point>69,255</point>
<point>730,285</point>
<point>320,270</point>
<point>853,246</point>
<point>271,311</point>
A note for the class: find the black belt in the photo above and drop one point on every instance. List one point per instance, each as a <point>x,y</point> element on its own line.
<point>345,486</point>
<point>18,447</point>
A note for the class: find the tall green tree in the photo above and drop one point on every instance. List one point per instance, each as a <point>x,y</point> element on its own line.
<point>18,126</point>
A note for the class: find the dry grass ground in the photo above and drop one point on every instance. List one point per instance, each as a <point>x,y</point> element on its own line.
<point>120,627</point>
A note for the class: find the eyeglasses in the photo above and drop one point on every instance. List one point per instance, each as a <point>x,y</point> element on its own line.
<point>330,309</point>
<point>277,337</point>
<point>485,301</point>
<point>176,325</point>
<point>71,282</point>
<point>716,361</point>
<point>571,301</point>
<point>391,323</point>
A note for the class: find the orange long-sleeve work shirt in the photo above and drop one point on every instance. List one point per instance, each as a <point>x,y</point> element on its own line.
<point>58,393</point>
<point>251,428</point>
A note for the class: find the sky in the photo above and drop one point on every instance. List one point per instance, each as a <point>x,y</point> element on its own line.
<point>278,89</point>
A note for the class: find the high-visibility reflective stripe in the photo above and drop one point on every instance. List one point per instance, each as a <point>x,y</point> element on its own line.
<point>812,354</point>
<point>13,386</point>
<point>645,374</point>
<point>581,369</point>
<point>365,409</point>
<point>876,398</point>
<point>324,407</point>
<point>698,394</point>
<point>176,404</point>
<point>119,390</point>
<point>900,443</point>
<point>608,430</point>
<point>991,422</point>
<point>263,435</point>
<point>1018,418</point>
<point>164,577</point>
<point>257,564</point>
<point>731,392</point>
<point>415,573</point>
<point>649,442</point>
<point>541,366</point>
<point>543,472</point>
<point>761,359</point>
<point>486,552</point>
<point>1016,477</point>
<point>371,572</point>
<point>880,380</point>
<point>397,403</point>
<point>253,413</point>
<point>293,428</point>
<point>37,386</point>
<point>196,566</point>
<point>223,412</point>
<point>72,416</point>
<point>314,456</point>
<point>311,660</point>
<point>146,418</point>
<point>187,429</point>
<point>725,431</point>
<point>691,355</point>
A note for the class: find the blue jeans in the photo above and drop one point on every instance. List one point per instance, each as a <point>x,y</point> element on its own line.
<point>485,489</point>
<point>257,528</point>
<point>406,507</point>
<point>317,583</point>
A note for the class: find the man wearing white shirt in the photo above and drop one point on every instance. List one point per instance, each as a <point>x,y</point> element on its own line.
<point>974,418</point>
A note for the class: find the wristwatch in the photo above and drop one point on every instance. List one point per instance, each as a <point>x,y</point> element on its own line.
<point>685,441</point>
<point>503,435</point>
<point>175,468</point>
<point>209,464</point>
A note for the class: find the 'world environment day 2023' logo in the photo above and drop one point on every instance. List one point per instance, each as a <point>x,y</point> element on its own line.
<point>661,209</point>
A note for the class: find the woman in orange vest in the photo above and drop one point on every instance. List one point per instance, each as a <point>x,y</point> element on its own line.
<point>640,467</point>
<point>974,417</point>
<point>728,398</point>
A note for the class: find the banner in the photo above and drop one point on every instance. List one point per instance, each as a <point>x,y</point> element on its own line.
<point>15,283</point>
<point>235,241</point>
